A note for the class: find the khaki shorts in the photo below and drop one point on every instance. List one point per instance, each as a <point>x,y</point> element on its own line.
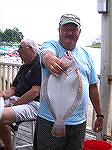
<point>26,111</point>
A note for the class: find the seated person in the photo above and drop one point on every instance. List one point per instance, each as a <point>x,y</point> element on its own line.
<point>22,98</point>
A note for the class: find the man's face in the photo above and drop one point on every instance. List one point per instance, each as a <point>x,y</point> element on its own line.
<point>68,35</point>
<point>24,51</point>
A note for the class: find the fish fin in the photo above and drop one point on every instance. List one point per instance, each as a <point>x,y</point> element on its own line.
<point>58,130</point>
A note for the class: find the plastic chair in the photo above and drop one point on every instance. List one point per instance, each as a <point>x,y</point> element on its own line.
<point>14,128</point>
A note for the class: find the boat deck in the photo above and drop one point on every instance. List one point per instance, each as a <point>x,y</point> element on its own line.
<point>24,136</point>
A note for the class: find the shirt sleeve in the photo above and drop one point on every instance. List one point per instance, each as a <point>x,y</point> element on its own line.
<point>47,47</point>
<point>93,76</point>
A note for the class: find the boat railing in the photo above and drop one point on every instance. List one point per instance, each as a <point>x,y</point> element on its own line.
<point>8,72</point>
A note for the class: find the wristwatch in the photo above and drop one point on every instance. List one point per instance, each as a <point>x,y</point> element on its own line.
<point>102,116</point>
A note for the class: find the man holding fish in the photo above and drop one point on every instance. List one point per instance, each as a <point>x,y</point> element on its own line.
<point>68,82</point>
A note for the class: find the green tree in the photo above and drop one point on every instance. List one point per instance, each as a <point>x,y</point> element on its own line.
<point>12,36</point>
<point>8,35</point>
<point>96,45</point>
<point>1,34</point>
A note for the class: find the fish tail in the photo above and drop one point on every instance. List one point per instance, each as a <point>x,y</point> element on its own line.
<point>58,130</point>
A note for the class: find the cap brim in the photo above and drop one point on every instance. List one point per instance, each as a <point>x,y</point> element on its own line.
<point>66,22</point>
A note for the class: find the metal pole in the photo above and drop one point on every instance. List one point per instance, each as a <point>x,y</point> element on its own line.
<point>106,65</point>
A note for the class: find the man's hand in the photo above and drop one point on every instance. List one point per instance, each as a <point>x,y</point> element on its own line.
<point>98,124</point>
<point>54,64</point>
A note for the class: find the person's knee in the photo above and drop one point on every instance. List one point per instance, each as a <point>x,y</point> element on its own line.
<point>8,116</point>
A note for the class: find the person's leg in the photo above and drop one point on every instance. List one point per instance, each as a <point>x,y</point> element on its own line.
<point>8,116</point>
<point>43,140</point>
<point>14,114</point>
<point>26,112</point>
<point>75,137</point>
<point>5,135</point>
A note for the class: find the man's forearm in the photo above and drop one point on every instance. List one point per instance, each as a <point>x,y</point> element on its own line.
<point>28,96</point>
<point>95,99</point>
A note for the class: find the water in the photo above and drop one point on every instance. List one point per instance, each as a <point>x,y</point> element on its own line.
<point>96,56</point>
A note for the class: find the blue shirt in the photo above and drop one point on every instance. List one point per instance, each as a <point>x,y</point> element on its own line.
<point>85,63</point>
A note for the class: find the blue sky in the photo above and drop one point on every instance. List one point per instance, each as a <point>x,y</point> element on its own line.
<point>39,19</point>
